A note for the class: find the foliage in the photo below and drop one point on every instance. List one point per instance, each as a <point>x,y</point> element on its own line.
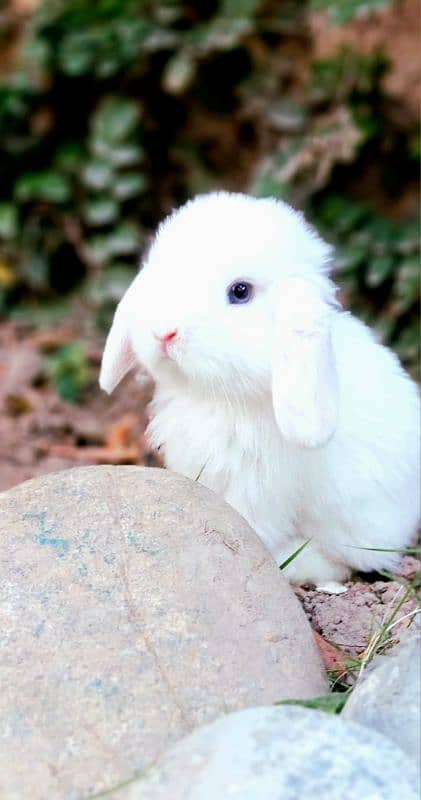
<point>113,112</point>
<point>378,257</point>
<point>69,371</point>
<point>341,11</point>
<point>379,266</point>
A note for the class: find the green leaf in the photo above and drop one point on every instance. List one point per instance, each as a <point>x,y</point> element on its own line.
<point>267,186</point>
<point>239,8</point>
<point>99,248</point>
<point>69,371</point>
<point>126,155</point>
<point>69,157</point>
<point>125,240</point>
<point>343,214</point>
<point>350,257</point>
<point>409,551</point>
<point>384,327</point>
<point>110,285</point>
<point>408,344</point>
<point>342,11</point>
<point>179,73</point>
<point>331,703</point>
<point>76,53</point>
<point>35,270</point>
<point>378,270</point>
<point>115,120</point>
<point>97,174</point>
<point>408,284</point>
<point>36,54</point>
<point>8,221</point>
<point>130,184</point>
<point>100,211</point>
<point>50,186</point>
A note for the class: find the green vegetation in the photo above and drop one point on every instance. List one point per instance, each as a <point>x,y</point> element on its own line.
<point>294,555</point>
<point>69,371</point>
<point>341,11</point>
<point>332,703</point>
<point>113,112</point>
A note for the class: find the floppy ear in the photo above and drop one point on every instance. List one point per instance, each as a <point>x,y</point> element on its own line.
<point>118,357</point>
<point>304,386</point>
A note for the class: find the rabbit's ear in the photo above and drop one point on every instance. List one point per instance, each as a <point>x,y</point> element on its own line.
<point>118,357</point>
<point>304,374</point>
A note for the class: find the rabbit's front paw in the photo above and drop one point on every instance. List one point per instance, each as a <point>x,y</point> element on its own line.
<point>311,565</point>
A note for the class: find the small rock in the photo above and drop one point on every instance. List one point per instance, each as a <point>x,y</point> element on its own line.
<point>136,605</point>
<point>388,698</point>
<point>409,566</point>
<point>332,587</point>
<point>284,752</point>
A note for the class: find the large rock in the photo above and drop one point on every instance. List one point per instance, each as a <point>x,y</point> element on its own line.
<point>284,753</point>
<point>136,605</point>
<point>388,698</point>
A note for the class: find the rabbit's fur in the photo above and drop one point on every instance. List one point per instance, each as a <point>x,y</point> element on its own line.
<point>285,405</point>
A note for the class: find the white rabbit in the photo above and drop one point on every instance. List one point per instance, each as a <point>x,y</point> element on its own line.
<point>279,400</point>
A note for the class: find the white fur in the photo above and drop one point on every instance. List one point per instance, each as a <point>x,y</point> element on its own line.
<point>286,405</point>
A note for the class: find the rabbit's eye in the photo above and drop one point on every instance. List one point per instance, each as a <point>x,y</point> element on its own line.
<point>240,292</point>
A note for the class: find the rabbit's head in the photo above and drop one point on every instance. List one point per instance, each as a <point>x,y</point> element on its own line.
<point>233,299</point>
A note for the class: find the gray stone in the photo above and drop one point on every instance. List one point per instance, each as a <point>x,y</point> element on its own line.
<point>136,605</point>
<point>388,698</point>
<point>284,753</point>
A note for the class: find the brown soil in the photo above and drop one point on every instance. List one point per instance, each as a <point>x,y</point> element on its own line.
<point>395,30</point>
<point>349,620</point>
<point>40,432</point>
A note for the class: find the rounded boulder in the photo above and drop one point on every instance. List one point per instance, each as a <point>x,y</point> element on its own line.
<point>136,605</point>
<point>284,753</point>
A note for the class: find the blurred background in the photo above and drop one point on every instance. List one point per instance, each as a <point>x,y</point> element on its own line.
<point>113,112</point>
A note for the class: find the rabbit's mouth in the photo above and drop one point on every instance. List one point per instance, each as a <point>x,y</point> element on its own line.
<point>166,347</point>
<point>168,358</point>
<point>168,354</point>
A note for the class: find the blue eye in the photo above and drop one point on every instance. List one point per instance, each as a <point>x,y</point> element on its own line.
<point>240,292</point>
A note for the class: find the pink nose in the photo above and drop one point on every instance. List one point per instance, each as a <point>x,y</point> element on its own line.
<point>166,338</point>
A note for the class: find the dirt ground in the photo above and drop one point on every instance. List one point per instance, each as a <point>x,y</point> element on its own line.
<point>41,433</point>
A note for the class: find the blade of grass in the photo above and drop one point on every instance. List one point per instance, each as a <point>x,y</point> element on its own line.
<point>294,555</point>
<point>379,639</point>
<point>200,471</point>
<point>409,583</point>
<point>405,616</point>
<point>409,551</point>
<point>331,703</point>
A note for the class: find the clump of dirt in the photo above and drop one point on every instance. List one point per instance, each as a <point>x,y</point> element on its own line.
<point>349,620</point>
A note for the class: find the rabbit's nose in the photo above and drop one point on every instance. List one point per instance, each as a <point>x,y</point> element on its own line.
<point>166,338</point>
